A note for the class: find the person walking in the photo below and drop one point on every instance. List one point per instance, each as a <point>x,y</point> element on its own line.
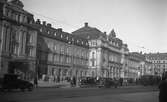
<point>35,82</point>
<point>163,88</point>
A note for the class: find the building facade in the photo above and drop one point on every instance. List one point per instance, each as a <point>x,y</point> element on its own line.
<point>135,64</point>
<point>18,37</point>
<point>60,54</point>
<point>159,62</point>
<point>106,52</point>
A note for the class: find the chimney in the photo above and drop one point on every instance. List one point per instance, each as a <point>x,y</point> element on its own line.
<point>49,25</point>
<point>86,24</point>
<point>44,23</point>
<point>105,33</point>
<point>38,21</point>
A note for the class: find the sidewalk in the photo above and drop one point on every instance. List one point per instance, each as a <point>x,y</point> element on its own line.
<point>65,84</point>
<point>49,84</point>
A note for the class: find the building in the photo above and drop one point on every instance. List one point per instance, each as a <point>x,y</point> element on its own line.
<point>159,62</point>
<point>60,54</point>
<point>18,37</point>
<point>135,64</point>
<point>106,52</point>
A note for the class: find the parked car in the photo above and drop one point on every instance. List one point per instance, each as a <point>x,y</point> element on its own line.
<point>87,82</point>
<point>107,83</point>
<point>150,80</point>
<point>12,81</point>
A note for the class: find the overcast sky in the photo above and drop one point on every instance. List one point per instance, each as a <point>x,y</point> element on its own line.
<point>142,24</point>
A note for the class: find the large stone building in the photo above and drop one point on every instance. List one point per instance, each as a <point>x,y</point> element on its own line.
<point>106,52</point>
<point>159,62</point>
<point>32,48</point>
<point>60,54</point>
<point>18,37</point>
<point>137,65</point>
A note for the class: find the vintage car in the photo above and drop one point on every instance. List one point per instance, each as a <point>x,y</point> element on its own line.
<point>107,83</point>
<point>12,81</point>
<point>86,82</point>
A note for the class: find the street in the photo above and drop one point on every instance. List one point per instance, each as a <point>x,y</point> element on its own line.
<point>126,94</point>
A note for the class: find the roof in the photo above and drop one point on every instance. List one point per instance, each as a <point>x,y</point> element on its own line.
<point>60,35</point>
<point>137,56</point>
<point>17,5</point>
<point>157,56</point>
<point>88,32</point>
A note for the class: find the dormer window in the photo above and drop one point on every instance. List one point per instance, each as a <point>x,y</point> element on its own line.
<point>8,13</point>
<point>24,19</point>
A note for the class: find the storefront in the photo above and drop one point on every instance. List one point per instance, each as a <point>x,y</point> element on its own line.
<point>25,69</point>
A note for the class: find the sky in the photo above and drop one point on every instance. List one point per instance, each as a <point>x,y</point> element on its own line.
<point>141,24</point>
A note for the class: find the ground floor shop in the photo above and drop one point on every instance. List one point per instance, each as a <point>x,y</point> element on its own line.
<point>25,68</point>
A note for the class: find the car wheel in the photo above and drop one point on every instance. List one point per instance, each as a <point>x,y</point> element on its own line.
<point>30,88</point>
<point>22,89</point>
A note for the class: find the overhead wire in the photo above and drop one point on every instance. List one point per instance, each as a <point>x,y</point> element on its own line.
<point>72,26</point>
<point>52,19</point>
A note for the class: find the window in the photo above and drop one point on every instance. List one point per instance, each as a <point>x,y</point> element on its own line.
<point>93,58</point>
<point>5,34</point>
<point>25,19</point>
<point>57,58</point>
<point>16,49</point>
<point>55,33</point>
<point>48,32</point>
<point>94,43</point>
<point>31,52</point>
<point>67,51</point>
<point>29,40</point>
<point>62,49</point>
<point>40,29</point>
<point>50,57</point>
<point>17,17</point>
<point>50,45</point>
<point>55,47</point>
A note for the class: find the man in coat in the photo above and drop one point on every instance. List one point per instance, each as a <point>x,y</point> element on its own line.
<point>163,88</point>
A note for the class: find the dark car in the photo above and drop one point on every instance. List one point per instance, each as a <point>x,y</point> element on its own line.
<point>107,83</point>
<point>12,81</point>
<point>87,82</point>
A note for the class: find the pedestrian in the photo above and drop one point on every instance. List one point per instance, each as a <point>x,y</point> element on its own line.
<point>74,81</point>
<point>163,88</point>
<point>125,82</point>
<point>35,82</point>
<point>121,81</point>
